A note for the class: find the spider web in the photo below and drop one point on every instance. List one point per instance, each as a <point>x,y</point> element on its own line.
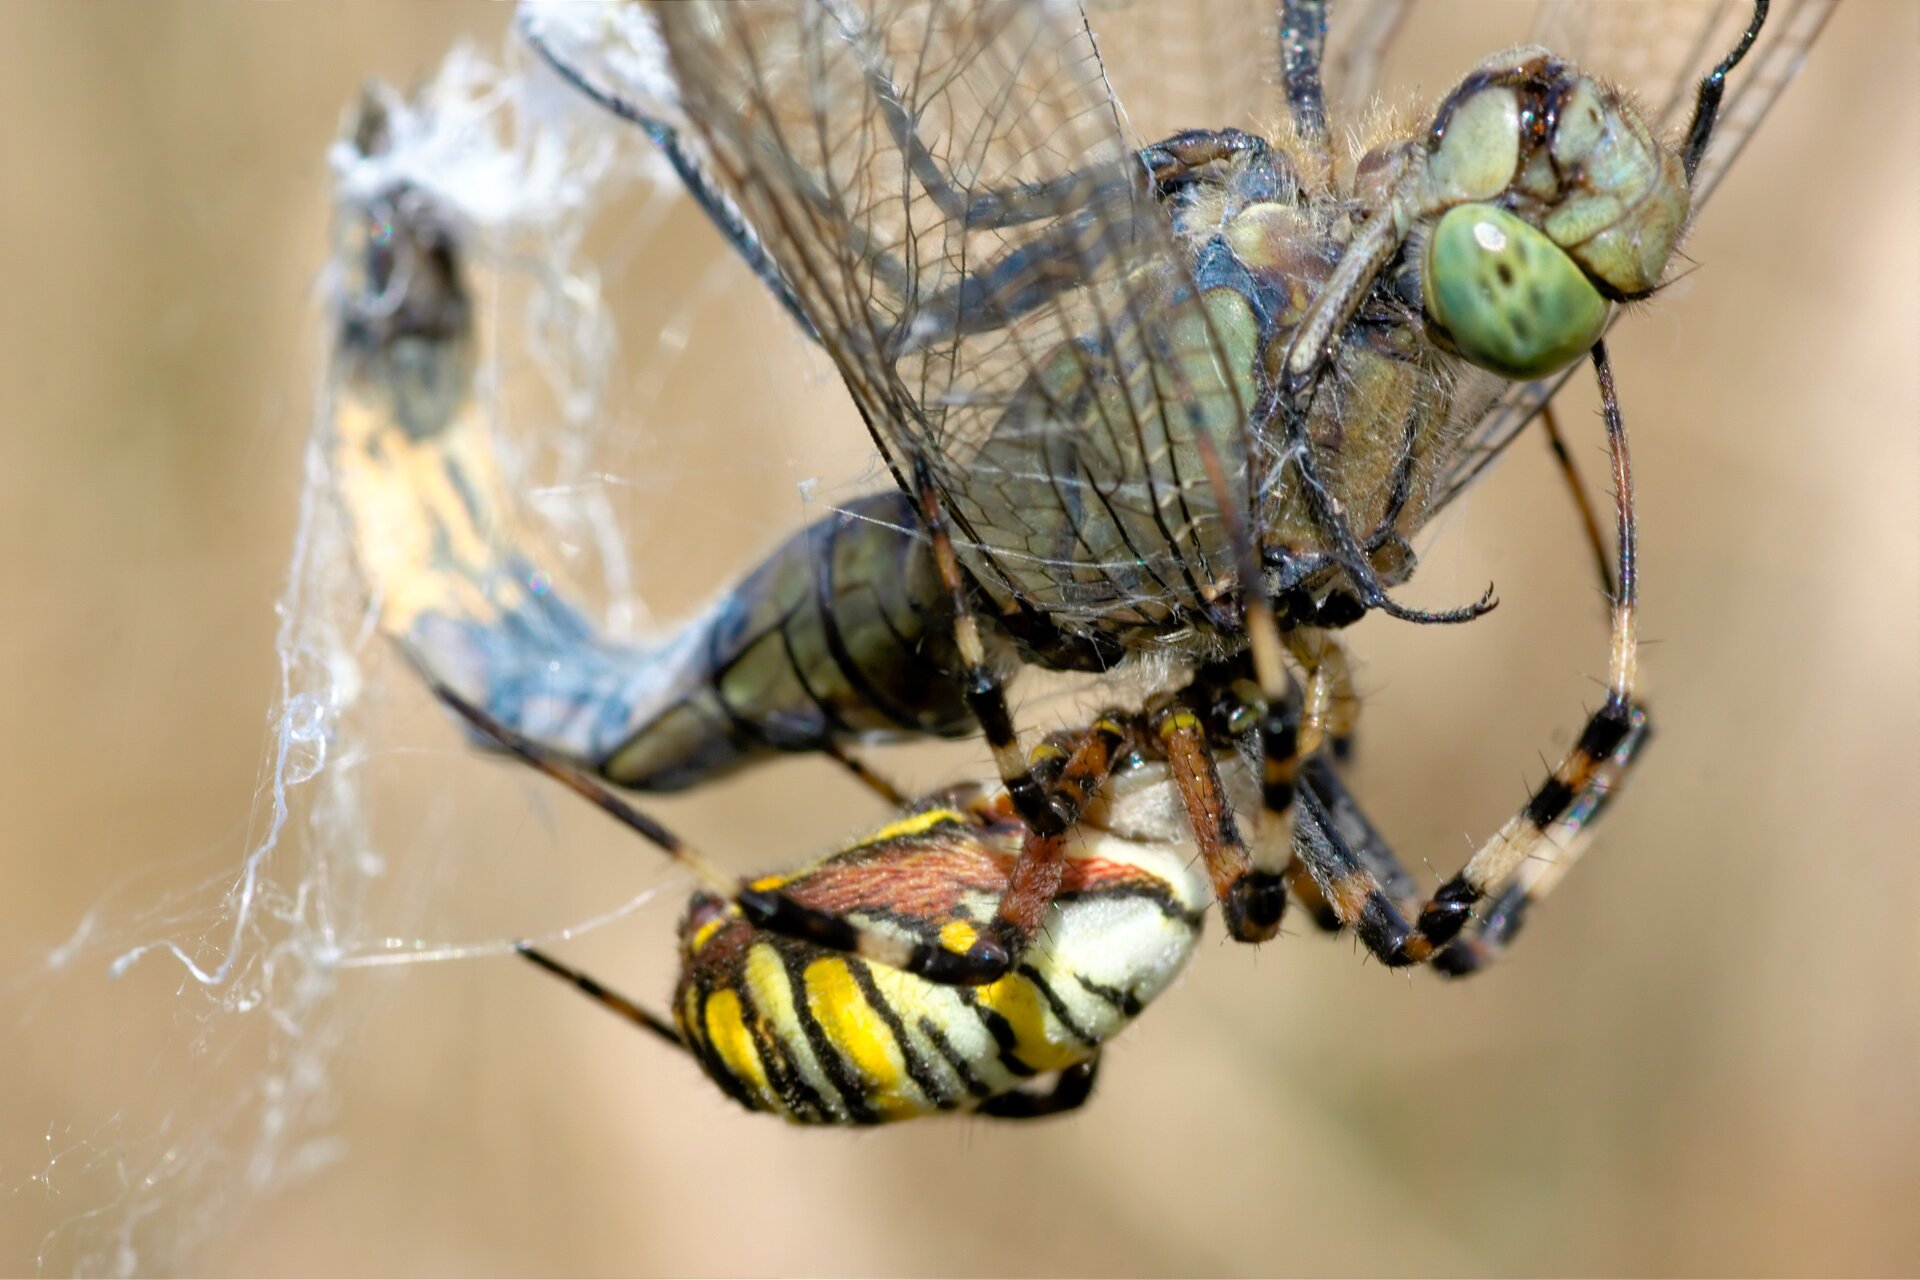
<point>239,987</point>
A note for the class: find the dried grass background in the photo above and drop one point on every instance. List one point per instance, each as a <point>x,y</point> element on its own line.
<point>1703,1057</point>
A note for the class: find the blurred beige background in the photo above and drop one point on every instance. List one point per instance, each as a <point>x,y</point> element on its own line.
<point>1701,1058</point>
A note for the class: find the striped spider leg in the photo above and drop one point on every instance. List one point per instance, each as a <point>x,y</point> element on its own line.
<point>1528,855</point>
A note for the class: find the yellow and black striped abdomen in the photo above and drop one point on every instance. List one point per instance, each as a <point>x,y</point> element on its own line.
<point>824,1037</point>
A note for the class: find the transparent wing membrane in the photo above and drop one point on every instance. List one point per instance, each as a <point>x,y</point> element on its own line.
<point>952,196</point>
<point>1172,67</point>
<point>1216,63</point>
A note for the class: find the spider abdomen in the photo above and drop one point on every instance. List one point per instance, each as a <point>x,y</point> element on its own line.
<point>826,1037</point>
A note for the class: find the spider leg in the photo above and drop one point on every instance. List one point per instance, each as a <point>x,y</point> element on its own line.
<point>1070,769</point>
<point>1577,490</point>
<point>1330,709</point>
<point>1351,867</point>
<point>965,956</point>
<point>1300,885</point>
<point>637,1014</point>
<point>879,784</point>
<point>1338,816</point>
<point>1251,895</point>
<point>1333,817</point>
<point>1255,900</point>
<point>1045,813</point>
<point>1069,1092</point>
<point>1494,931</point>
<point>937,961</point>
<point>1562,807</point>
<point>1041,866</point>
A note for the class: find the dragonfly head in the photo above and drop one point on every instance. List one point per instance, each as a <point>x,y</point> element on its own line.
<point>1551,198</point>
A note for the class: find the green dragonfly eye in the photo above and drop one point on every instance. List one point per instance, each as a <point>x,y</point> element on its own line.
<point>1506,296</point>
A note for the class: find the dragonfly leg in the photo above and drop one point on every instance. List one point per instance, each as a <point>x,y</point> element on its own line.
<point>1303,45</point>
<point>989,209</point>
<point>1094,220</point>
<point>1399,491</point>
<point>1347,550</point>
<point>1176,163</point>
<point>715,203</point>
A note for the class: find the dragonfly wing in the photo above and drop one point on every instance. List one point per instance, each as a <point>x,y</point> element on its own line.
<point>1203,64</point>
<point>1215,63</point>
<point>1359,33</point>
<point>951,195</point>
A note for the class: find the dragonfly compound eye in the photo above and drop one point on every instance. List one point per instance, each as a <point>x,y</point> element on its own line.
<point>1505,296</point>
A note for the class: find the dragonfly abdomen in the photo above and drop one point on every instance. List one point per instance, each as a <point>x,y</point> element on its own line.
<point>843,633</point>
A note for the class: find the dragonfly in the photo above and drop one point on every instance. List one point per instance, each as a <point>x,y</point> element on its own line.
<point>1179,402</point>
<point>1184,402</point>
<point>865,1028</point>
